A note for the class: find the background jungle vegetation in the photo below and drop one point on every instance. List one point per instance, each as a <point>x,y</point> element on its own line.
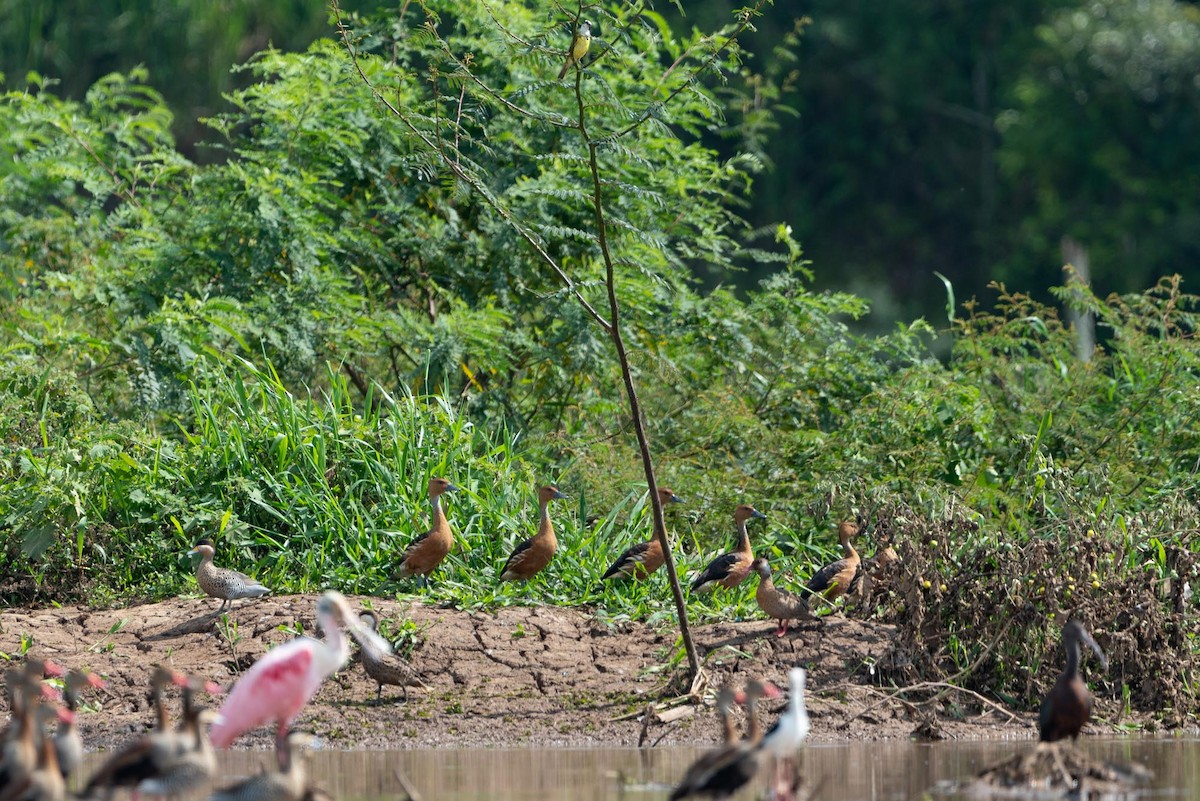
<point>274,331</point>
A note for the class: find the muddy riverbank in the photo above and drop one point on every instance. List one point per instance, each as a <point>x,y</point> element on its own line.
<point>516,676</point>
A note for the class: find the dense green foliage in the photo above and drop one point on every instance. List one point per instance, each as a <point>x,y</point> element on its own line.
<point>964,139</point>
<point>280,349</point>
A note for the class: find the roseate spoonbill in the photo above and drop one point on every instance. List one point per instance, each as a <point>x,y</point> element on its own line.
<point>221,582</point>
<point>835,578</point>
<point>387,668</point>
<point>730,569</point>
<point>722,772</point>
<point>536,552</point>
<point>779,604</point>
<point>644,558</point>
<point>1068,705</point>
<point>278,686</point>
<point>426,552</point>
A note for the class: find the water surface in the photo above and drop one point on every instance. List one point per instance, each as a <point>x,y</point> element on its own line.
<point>875,771</point>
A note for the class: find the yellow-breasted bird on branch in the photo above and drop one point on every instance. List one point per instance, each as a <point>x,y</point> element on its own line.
<point>578,49</point>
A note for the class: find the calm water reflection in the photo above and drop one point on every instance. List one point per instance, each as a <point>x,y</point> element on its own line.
<point>888,771</point>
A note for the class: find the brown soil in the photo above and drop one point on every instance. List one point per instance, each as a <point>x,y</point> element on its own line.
<point>517,676</point>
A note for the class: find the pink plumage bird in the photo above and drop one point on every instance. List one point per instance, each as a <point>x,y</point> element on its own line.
<point>278,686</point>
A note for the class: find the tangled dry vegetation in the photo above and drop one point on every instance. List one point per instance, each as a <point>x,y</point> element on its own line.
<point>986,613</point>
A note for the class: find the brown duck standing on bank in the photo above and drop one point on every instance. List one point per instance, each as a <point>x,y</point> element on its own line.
<point>536,552</point>
<point>221,582</point>
<point>1068,705</point>
<point>834,579</point>
<point>722,772</point>
<point>147,754</point>
<point>67,742</point>
<point>426,552</point>
<point>778,604</point>
<point>285,784</point>
<point>644,558</point>
<point>387,668</point>
<point>730,569</point>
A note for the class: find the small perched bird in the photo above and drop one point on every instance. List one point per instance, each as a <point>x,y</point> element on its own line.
<point>640,560</point>
<point>1068,705</point>
<point>778,604</point>
<point>387,668</point>
<point>221,582</point>
<point>426,552</point>
<point>288,783</point>
<point>528,559</point>
<point>730,569</point>
<point>834,579</point>
<point>278,685</point>
<point>784,738</point>
<point>580,43</point>
<point>722,772</point>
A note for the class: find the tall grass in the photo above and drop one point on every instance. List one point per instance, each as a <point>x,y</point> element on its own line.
<point>320,490</point>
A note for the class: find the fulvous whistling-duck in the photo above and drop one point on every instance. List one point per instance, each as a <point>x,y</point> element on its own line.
<point>730,569</point>
<point>722,772</point>
<point>426,552</point>
<point>644,558</point>
<point>387,668</point>
<point>833,580</point>
<point>536,552</point>
<point>67,741</point>
<point>784,738</point>
<point>288,783</point>
<point>861,583</point>
<point>1068,705</point>
<point>698,770</point>
<point>778,604</point>
<point>221,582</point>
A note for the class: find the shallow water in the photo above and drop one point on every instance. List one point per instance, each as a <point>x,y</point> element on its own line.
<point>877,771</point>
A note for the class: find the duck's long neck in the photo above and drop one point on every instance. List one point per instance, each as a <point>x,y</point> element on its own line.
<point>743,544</point>
<point>754,731</point>
<point>439,517</point>
<point>545,527</point>
<point>160,707</point>
<point>847,549</point>
<point>1072,648</point>
<point>727,726</point>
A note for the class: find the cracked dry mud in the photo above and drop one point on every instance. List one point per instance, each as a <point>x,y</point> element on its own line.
<point>515,676</point>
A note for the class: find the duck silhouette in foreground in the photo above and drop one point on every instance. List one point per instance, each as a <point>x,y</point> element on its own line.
<point>1068,705</point>
<point>723,771</point>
